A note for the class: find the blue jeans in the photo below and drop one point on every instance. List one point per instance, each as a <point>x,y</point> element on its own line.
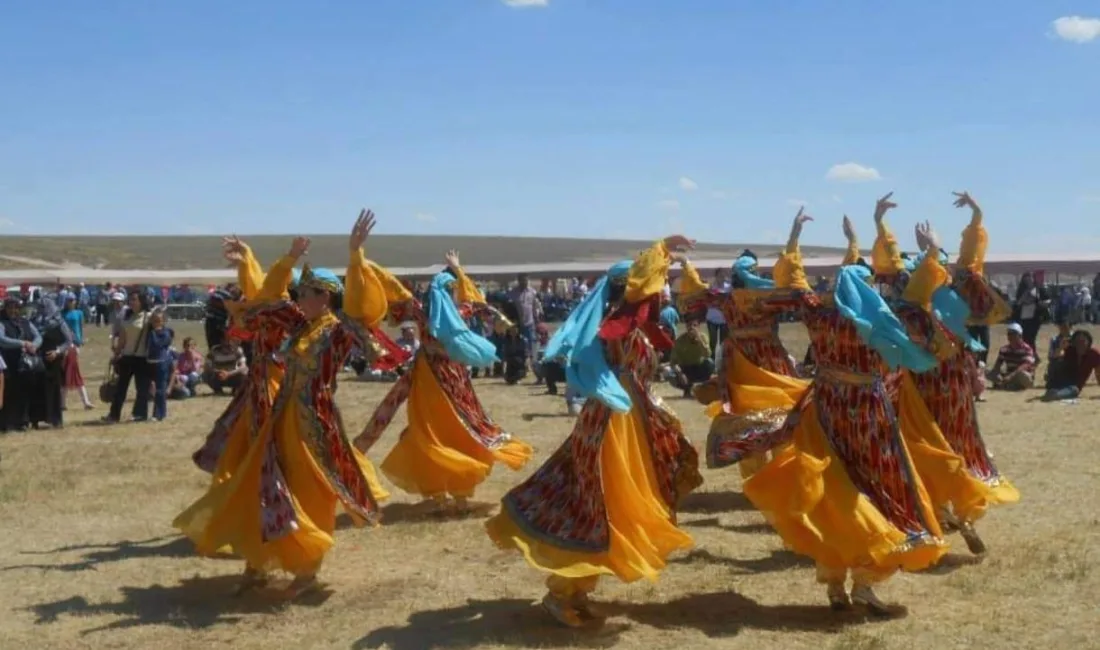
<point>162,373</point>
<point>530,337</point>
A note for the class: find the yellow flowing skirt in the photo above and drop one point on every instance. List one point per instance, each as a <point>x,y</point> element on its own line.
<point>228,516</point>
<point>237,441</point>
<point>942,471</point>
<point>753,389</point>
<point>805,493</point>
<point>642,532</point>
<point>436,455</point>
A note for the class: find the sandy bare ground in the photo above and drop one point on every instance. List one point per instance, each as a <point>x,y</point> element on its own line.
<point>204,252</point>
<point>88,559</point>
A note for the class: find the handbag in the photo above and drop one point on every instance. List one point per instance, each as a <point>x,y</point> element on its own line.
<point>31,363</point>
<point>110,384</point>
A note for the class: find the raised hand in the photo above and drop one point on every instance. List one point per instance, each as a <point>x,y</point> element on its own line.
<point>802,217</point>
<point>362,229</point>
<point>964,200</point>
<point>233,249</point>
<point>451,259</point>
<point>883,206</point>
<point>299,247</point>
<point>922,242</point>
<point>926,232</point>
<point>679,243</point>
<point>849,229</point>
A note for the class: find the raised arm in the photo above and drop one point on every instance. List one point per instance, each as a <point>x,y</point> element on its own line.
<point>271,306</point>
<point>885,254</point>
<point>851,255</point>
<point>987,307</point>
<point>649,272</point>
<point>250,276</point>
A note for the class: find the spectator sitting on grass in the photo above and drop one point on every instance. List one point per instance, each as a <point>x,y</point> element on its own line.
<point>1079,362</point>
<point>691,358</point>
<point>188,375</point>
<point>225,367</point>
<point>1015,365</point>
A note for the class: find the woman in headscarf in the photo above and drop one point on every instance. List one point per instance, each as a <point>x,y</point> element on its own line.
<point>47,398</point>
<point>753,350</point>
<point>842,487</point>
<point>605,502</point>
<point>450,444</point>
<point>277,509</point>
<point>936,309</point>
<point>19,343</point>
<point>74,379</point>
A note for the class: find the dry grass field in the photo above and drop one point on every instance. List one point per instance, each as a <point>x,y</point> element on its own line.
<point>88,558</point>
<point>204,252</point>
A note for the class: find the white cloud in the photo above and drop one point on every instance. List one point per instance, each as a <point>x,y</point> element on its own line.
<point>424,217</point>
<point>6,224</point>
<point>719,195</point>
<point>851,172</point>
<point>521,4</point>
<point>688,185</point>
<point>798,203</point>
<point>669,205</point>
<point>836,199</point>
<point>1077,29</point>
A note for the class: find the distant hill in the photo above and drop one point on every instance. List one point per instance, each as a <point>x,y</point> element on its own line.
<point>204,252</point>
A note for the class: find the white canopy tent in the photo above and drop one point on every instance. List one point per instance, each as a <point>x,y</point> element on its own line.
<point>1075,264</point>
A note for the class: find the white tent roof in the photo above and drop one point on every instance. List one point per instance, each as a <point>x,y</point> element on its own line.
<point>995,264</point>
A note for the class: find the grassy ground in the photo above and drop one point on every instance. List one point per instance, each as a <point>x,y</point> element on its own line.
<point>195,252</point>
<point>88,559</point>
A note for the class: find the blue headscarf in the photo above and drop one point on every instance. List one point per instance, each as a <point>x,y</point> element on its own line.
<point>950,309</point>
<point>876,323</point>
<point>745,269</point>
<point>320,278</point>
<point>912,263</point>
<point>578,343</point>
<point>669,317</point>
<point>446,324</point>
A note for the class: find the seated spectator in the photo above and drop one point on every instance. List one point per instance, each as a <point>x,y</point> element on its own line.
<point>1079,362</point>
<point>189,367</point>
<point>225,367</point>
<point>691,358</point>
<point>1058,346</point>
<point>1015,365</point>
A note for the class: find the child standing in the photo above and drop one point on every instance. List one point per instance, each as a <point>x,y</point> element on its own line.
<point>160,362</point>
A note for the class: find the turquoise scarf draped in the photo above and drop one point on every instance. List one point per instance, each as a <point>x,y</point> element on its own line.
<point>951,310</point>
<point>446,324</point>
<point>745,268</point>
<point>577,343</point>
<point>670,318</point>
<point>876,324</point>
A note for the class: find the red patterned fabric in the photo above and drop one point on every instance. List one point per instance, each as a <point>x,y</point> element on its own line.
<point>453,379</point>
<point>562,504</point>
<point>854,396</point>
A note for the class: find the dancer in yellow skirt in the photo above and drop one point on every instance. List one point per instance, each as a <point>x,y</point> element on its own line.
<point>843,487</point>
<point>450,444</point>
<point>932,307</point>
<point>278,507</point>
<point>605,502</point>
<point>752,310</point>
<point>245,414</point>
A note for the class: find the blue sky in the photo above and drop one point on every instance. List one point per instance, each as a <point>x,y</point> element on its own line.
<point>588,118</point>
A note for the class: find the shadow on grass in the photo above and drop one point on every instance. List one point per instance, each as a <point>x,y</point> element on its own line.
<point>710,503</point>
<point>408,513</point>
<point>531,417</point>
<point>94,555</point>
<point>194,603</point>
<point>523,624</point>
<point>774,561</point>
<point>751,528</point>
<point>951,563</point>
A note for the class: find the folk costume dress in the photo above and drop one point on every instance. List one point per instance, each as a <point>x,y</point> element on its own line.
<point>932,308</point>
<point>250,407</point>
<point>450,444</point>
<point>277,509</point>
<point>842,487</point>
<point>605,502</point>
<point>752,355</point>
